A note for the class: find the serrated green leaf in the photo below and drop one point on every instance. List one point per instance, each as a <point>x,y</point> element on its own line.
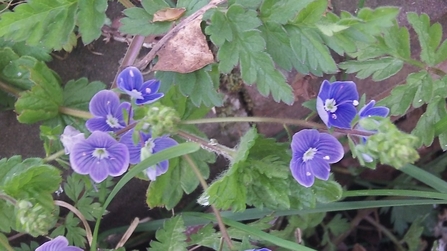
<point>42,102</point>
<point>310,51</point>
<point>191,6</point>
<point>138,21</point>
<point>24,247</point>
<point>228,192</point>
<point>441,53</point>
<point>380,69</point>
<point>278,44</point>
<point>402,216</point>
<point>253,4</point>
<point>7,216</point>
<point>78,93</point>
<point>338,225</point>
<point>70,228</point>
<point>413,235</point>
<point>22,49</point>
<point>242,19</point>
<point>171,237</point>
<point>92,17</point>
<point>312,13</point>
<point>247,141</point>
<point>281,11</point>
<point>398,40</point>
<point>374,21</point>
<point>425,128</point>
<point>11,72</point>
<point>428,36</point>
<point>45,23</point>
<point>327,191</point>
<point>207,237</point>
<point>201,158</point>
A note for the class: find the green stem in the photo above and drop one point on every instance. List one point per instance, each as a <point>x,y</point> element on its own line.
<point>53,156</point>
<point>437,71</point>
<point>394,192</point>
<point>199,176</point>
<point>9,89</point>
<point>386,232</point>
<point>126,3</point>
<point>209,145</point>
<point>75,112</point>
<point>297,122</point>
<point>425,177</point>
<point>8,198</point>
<point>5,244</point>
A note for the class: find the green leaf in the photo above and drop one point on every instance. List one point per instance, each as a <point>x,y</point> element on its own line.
<point>189,180</point>
<point>281,11</point>
<point>191,6</point>
<point>228,192</point>
<point>92,17</point>
<point>425,128</point>
<point>24,247</point>
<point>11,72</point>
<point>78,93</point>
<point>23,49</point>
<point>278,44</point>
<point>380,69</point>
<point>138,21</point>
<point>247,141</point>
<point>71,230</point>
<point>312,13</point>
<point>413,235</point>
<point>29,179</point>
<point>429,36</point>
<point>171,237</point>
<point>7,216</point>
<point>397,39</point>
<point>327,191</point>
<point>374,21</point>
<point>45,23</point>
<point>402,216</point>
<point>43,100</point>
<point>310,51</point>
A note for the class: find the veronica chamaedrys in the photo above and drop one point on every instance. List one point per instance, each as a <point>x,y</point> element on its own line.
<point>259,249</point>
<point>146,147</point>
<point>312,152</point>
<point>336,103</point>
<point>70,137</point>
<point>130,81</point>
<point>108,112</point>
<point>99,156</point>
<point>368,111</point>
<point>59,243</point>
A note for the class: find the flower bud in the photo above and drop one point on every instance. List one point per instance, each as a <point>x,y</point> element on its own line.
<point>33,218</point>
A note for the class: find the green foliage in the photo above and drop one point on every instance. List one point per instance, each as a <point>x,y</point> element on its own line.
<point>171,237</point>
<point>24,247</point>
<point>50,24</point>
<point>335,227</point>
<point>43,100</point>
<point>23,49</point>
<point>6,216</point>
<point>412,237</point>
<point>78,93</point>
<point>401,217</point>
<point>71,230</point>
<point>380,69</point>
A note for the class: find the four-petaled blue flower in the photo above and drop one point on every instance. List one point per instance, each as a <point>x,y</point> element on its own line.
<point>146,147</point>
<point>130,81</point>
<point>312,152</point>
<point>336,103</point>
<point>100,155</point>
<point>108,112</point>
<point>59,243</point>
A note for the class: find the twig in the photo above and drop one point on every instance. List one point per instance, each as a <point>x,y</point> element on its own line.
<point>128,233</point>
<point>78,213</point>
<point>157,47</point>
<point>386,232</point>
<point>222,227</point>
<point>209,145</point>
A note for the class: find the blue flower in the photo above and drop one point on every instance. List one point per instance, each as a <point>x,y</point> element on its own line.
<point>366,112</point>
<point>336,103</point>
<point>312,152</point>
<point>259,249</point>
<point>70,137</point>
<point>100,155</point>
<point>146,147</point>
<point>59,243</point>
<point>108,112</point>
<point>130,81</point>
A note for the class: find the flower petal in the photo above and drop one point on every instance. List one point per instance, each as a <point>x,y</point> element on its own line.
<point>57,244</point>
<point>329,149</point>
<point>324,115</point>
<point>325,90</point>
<point>343,117</point>
<point>343,91</point>
<point>320,168</point>
<point>302,173</point>
<point>134,150</point>
<point>148,99</point>
<point>103,103</point>
<point>369,110</point>
<point>162,143</point>
<point>81,158</point>
<point>153,85</point>
<point>303,140</point>
<point>99,171</point>
<point>119,112</point>
<point>130,79</point>
<point>118,160</point>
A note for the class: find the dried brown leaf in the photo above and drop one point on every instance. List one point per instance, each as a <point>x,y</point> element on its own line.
<point>186,51</point>
<point>168,14</point>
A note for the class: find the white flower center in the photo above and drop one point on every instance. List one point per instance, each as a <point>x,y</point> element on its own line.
<point>330,105</point>
<point>147,150</point>
<point>112,121</point>
<point>100,153</point>
<point>309,154</point>
<point>136,94</point>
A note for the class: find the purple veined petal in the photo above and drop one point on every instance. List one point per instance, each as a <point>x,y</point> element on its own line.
<point>71,249</point>
<point>119,159</point>
<point>153,85</point>
<point>58,243</point>
<point>81,158</point>
<point>303,140</point>
<point>101,139</point>
<point>119,113</point>
<point>324,115</point>
<point>320,168</point>
<point>343,117</point>
<point>99,171</point>
<point>134,150</point>
<point>148,99</point>
<point>162,143</point>
<point>130,79</point>
<point>70,137</point>
<point>302,173</point>
<point>325,90</point>
<point>98,124</point>
<point>104,103</point>
<point>343,91</point>
<point>369,110</point>
<point>154,171</point>
<point>329,149</point>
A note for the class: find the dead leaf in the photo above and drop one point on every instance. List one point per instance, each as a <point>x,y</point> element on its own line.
<point>358,247</point>
<point>168,14</point>
<point>186,51</point>
<point>301,87</point>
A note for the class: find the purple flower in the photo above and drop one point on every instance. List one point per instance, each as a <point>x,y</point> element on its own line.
<point>70,137</point>
<point>59,243</point>
<point>130,81</point>
<point>336,103</point>
<point>146,147</point>
<point>99,155</point>
<point>108,112</point>
<point>312,152</point>
<point>259,249</point>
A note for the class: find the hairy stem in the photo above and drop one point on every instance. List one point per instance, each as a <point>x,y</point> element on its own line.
<point>78,213</point>
<point>208,144</point>
<point>75,112</point>
<point>54,156</point>
<point>130,56</point>
<point>204,185</point>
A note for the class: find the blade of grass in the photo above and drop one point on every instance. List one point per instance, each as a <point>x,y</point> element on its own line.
<point>395,192</point>
<point>425,177</point>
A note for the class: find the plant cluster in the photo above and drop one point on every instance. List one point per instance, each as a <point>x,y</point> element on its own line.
<point>148,129</point>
